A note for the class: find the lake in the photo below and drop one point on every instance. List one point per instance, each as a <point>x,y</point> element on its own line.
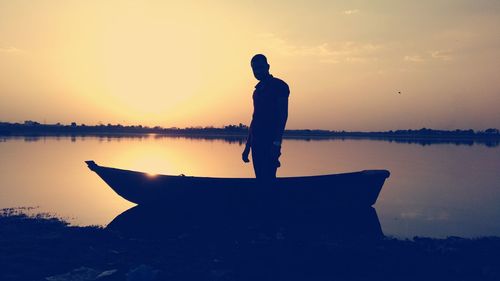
<point>435,189</point>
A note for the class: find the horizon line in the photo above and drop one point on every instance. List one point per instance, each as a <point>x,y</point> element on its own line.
<point>240,125</point>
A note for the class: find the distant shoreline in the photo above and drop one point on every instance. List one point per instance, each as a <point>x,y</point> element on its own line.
<point>287,135</point>
<point>32,128</point>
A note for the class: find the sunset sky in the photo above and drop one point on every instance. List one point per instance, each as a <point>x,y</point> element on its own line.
<point>187,63</point>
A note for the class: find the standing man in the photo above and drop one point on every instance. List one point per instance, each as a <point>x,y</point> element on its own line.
<point>270,112</point>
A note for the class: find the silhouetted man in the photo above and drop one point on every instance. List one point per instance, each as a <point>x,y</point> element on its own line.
<point>270,112</point>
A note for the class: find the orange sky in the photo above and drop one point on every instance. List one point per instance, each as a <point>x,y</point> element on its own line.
<point>186,63</point>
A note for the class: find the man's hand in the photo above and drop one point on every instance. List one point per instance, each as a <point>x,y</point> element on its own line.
<point>244,155</point>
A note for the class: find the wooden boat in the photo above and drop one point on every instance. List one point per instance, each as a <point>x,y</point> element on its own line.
<point>228,194</point>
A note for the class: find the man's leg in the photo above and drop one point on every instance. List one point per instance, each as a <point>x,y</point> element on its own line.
<point>270,168</point>
<point>265,160</point>
<point>267,169</point>
<point>273,162</point>
<point>257,160</point>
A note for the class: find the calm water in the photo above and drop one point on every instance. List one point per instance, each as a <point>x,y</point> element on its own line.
<point>434,190</point>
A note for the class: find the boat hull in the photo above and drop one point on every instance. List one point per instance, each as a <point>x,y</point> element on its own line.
<point>228,194</point>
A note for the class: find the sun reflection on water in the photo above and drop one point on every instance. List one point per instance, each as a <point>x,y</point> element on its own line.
<point>151,175</point>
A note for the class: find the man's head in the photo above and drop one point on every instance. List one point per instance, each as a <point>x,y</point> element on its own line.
<point>260,67</point>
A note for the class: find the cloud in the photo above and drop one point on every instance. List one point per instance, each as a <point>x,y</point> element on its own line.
<point>10,50</point>
<point>348,51</point>
<point>350,12</point>
<point>414,58</point>
<point>442,55</point>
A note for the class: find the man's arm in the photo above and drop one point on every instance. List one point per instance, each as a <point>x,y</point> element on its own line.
<point>249,137</point>
<point>248,144</point>
<point>282,109</point>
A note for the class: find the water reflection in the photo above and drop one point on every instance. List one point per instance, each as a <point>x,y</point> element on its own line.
<point>261,246</point>
<point>241,139</point>
<point>434,190</point>
<point>165,223</point>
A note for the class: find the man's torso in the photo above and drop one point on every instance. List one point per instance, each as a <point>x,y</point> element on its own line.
<point>266,110</point>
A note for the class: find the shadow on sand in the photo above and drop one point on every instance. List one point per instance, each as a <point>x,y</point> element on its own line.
<point>152,244</point>
<point>260,246</point>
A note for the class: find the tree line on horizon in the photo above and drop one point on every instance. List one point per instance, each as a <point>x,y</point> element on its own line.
<point>33,127</point>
